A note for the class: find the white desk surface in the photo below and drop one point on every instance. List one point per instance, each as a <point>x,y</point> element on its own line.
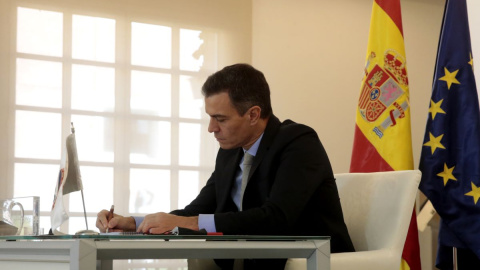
<point>84,252</point>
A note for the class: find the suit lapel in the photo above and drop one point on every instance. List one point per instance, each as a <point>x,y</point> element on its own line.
<point>270,131</point>
<point>228,178</point>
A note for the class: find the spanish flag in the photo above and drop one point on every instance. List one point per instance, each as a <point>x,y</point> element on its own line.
<point>382,139</point>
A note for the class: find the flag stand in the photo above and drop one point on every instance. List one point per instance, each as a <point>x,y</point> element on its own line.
<point>455,265</point>
<point>84,211</point>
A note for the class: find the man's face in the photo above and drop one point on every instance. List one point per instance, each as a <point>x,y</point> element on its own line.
<point>231,129</point>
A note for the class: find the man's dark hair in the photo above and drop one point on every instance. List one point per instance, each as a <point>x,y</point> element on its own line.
<point>245,86</point>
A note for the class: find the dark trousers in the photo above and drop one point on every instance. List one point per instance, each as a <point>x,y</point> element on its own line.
<point>466,259</point>
<point>254,264</point>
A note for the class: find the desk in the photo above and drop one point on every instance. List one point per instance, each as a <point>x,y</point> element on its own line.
<point>88,252</point>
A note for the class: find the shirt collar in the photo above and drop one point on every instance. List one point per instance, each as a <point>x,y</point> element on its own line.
<point>253,150</point>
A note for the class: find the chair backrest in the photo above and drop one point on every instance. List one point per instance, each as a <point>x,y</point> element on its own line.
<point>377,207</point>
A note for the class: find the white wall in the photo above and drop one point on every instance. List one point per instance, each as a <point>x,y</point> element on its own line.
<point>474,21</point>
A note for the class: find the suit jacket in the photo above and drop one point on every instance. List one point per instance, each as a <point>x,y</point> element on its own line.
<point>291,189</point>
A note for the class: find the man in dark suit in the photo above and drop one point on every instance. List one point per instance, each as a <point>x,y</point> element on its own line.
<point>290,188</point>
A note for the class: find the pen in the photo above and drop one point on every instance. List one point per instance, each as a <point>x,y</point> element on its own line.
<point>110,214</point>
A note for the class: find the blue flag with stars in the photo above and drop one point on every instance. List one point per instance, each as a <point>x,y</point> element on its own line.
<point>450,158</point>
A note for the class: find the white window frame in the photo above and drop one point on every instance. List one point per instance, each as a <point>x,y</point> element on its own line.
<point>121,164</point>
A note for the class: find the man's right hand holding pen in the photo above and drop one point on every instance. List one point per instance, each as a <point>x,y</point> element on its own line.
<point>108,221</point>
<point>110,215</point>
<point>157,223</point>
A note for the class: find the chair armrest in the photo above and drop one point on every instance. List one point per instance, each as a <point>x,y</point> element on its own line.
<point>383,259</point>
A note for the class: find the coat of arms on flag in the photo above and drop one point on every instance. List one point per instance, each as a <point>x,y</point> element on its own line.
<point>382,88</point>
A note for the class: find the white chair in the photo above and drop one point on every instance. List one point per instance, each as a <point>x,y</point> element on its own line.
<point>377,208</point>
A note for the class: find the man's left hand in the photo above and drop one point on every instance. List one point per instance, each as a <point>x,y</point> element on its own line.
<point>159,223</point>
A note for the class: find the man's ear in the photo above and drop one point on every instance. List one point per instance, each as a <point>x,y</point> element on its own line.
<point>254,114</point>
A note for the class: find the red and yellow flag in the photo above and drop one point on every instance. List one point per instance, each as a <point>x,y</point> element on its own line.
<point>382,132</point>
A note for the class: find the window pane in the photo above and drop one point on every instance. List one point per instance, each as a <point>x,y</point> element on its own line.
<point>37,135</point>
<point>150,142</point>
<point>151,93</point>
<point>76,224</point>
<point>151,45</point>
<point>39,83</point>
<point>97,190</point>
<point>93,88</point>
<point>93,38</point>
<point>39,32</point>
<point>188,187</point>
<point>191,99</point>
<point>45,222</point>
<point>191,50</point>
<point>94,138</point>
<point>189,144</point>
<point>36,180</point>
<point>149,191</point>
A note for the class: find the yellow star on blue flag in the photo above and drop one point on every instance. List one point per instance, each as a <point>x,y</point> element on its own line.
<point>447,174</point>
<point>436,107</point>
<point>450,77</point>
<point>434,142</point>
<point>475,193</point>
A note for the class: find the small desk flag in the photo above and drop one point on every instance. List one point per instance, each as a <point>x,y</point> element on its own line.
<point>382,139</point>
<point>450,159</point>
<point>69,180</point>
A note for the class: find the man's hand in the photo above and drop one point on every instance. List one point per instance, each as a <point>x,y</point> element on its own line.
<point>117,224</point>
<point>159,223</point>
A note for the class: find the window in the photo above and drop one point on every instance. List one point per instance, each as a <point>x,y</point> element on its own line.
<point>132,91</point>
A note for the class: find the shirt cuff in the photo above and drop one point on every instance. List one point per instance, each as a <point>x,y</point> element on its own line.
<point>138,220</point>
<point>207,222</point>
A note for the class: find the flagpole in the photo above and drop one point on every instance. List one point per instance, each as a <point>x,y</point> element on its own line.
<point>455,265</point>
<point>84,211</point>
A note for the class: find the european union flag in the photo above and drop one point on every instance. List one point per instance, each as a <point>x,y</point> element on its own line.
<point>450,159</point>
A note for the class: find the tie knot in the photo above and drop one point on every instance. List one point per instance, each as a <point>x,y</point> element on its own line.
<point>247,159</point>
